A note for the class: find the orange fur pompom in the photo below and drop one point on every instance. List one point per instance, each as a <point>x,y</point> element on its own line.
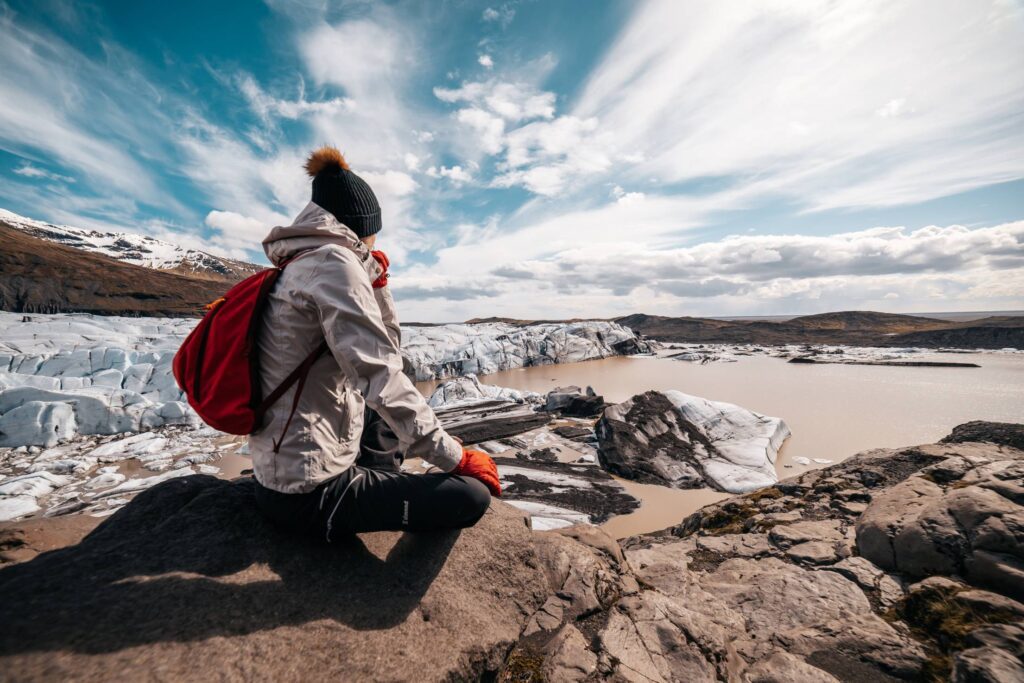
<point>325,158</point>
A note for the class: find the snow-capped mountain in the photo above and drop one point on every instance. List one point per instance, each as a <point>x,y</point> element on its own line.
<point>139,250</point>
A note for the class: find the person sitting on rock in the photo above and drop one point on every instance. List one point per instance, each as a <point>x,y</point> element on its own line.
<point>327,457</point>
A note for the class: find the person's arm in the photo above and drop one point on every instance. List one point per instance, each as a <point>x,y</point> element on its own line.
<point>358,339</point>
<point>386,304</point>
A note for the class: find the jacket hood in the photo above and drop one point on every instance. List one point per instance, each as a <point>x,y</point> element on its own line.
<point>312,228</point>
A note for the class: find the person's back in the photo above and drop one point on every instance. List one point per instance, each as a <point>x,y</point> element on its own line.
<point>307,456</point>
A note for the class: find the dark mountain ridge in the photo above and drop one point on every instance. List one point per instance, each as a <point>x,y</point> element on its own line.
<point>40,276</point>
<point>853,328</point>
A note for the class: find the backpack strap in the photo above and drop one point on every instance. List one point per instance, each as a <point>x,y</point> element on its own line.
<point>299,375</point>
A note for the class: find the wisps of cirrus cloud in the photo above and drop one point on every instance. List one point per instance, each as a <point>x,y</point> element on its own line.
<point>500,188</point>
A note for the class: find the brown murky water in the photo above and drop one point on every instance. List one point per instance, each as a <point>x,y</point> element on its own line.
<point>834,411</point>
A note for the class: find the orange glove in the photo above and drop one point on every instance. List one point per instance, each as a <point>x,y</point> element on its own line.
<point>382,259</point>
<point>478,465</point>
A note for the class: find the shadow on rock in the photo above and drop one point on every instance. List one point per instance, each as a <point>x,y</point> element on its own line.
<point>191,559</point>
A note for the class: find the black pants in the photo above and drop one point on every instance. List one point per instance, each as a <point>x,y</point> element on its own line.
<point>373,495</point>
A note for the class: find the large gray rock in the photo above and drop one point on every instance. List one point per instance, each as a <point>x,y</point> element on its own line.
<point>568,656</point>
<point>995,655</point>
<point>780,602</point>
<point>972,526</point>
<point>772,569</point>
<point>683,441</point>
<point>188,580</point>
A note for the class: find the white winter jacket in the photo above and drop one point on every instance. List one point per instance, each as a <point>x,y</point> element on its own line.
<point>326,293</point>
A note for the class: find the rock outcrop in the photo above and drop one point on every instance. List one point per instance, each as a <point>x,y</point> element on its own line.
<point>825,570</point>
<point>960,516</point>
<point>189,581</point>
<point>773,585</point>
<point>673,439</point>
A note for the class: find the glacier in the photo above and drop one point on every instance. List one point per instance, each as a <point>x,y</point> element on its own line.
<point>64,375</point>
<point>454,350</point>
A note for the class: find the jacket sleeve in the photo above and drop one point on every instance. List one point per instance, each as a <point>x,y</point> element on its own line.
<point>386,304</point>
<point>358,339</point>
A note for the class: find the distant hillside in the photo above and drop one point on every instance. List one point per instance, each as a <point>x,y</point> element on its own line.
<point>138,250</point>
<point>40,276</point>
<point>855,328</point>
<point>870,321</point>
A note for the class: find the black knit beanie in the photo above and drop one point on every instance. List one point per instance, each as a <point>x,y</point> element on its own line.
<point>338,190</point>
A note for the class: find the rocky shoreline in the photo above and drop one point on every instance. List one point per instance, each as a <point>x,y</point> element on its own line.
<point>899,564</point>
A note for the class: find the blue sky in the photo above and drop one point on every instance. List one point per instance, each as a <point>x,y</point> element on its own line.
<point>551,159</point>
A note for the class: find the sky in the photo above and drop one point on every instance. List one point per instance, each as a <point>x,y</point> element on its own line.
<point>557,159</point>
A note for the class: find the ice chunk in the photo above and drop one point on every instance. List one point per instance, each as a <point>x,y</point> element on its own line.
<point>12,507</point>
<point>468,390</point>
<point>36,422</point>
<point>544,517</point>
<point>32,484</point>
<point>105,480</point>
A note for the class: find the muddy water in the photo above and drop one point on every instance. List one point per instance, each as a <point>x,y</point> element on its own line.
<point>834,411</point>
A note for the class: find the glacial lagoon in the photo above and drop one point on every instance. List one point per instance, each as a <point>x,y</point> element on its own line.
<point>834,411</point>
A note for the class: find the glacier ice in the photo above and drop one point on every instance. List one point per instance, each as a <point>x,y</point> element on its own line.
<point>68,374</point>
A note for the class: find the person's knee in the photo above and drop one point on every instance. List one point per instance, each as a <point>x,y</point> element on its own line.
<point>478,499</point>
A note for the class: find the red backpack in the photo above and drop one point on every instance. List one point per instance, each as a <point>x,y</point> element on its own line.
<point>217,366</point>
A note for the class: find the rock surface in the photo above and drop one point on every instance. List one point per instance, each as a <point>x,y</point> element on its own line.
<point>674,439</point>
<point>186,580</point>
<point>961,516</point>
<point>189,580</point>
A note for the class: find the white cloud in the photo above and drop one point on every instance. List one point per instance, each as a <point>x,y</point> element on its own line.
<point>374,58</point>
<point>394,183</point>
<point>236,226</point>
<point>504,14</point>
<point>615,274</point>
<point>456,174</point>
<point>543,153</point>
<point>545,156</point>
<point>412,162</point>
<point>626,198</point>
<point>486,61</point>
<point>489,129</point>
<point>266,106</point>
<point>57,102</point>
<point>512,101</point>
<point>822,114</point>
<point>29,171</point>
<point>893,108</point>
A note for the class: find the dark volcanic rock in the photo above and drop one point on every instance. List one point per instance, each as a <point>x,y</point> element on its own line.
<point>560,397</point>
<point>1002,433</point>
<point>651,443</point>
<point>584,488</point>
<point>490,420</point>
<point>187,582</point>
<point>971,527</point>
<point>584,406</point>
<point>895,363</point>
<point>574,433</point>
<point>673,439</point>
